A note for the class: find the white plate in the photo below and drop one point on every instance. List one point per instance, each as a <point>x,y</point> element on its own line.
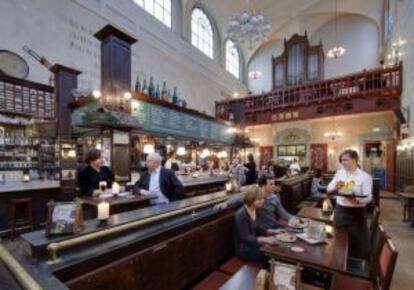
<point>282,238</point>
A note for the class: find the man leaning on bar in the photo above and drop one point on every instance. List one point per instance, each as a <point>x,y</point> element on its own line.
<point>161,182</point>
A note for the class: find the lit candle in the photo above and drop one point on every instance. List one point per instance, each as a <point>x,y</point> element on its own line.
<point>103,210</point>
<point>115,188</point>
<point>229,186</point>
<point>26,177</point>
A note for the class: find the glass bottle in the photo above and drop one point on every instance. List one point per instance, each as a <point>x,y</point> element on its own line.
<point>168,99</point>
<point>158,92</point>
<point>164,91</point>
<point>151,88</point>
<point>137,85</point>
<point>175,96</point>
<point>145,87</point>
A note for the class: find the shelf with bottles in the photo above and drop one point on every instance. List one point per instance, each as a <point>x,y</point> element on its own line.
<point>159,93</point>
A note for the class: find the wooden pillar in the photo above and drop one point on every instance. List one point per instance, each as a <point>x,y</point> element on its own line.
<point>66,79</point>
<point>115,67</point>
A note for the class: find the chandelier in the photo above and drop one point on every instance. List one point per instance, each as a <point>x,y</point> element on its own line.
<point>336,51</point>
<point>255,74</point>
<point>250,28</point>
<point>334,134</point>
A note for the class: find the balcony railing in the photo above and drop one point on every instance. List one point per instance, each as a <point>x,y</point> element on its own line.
<point>364,84</point>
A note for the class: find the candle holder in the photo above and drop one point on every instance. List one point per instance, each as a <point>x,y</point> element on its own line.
<point>103,214</point>
<point>102,223</point>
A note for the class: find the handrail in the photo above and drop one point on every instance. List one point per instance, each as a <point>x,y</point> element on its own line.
<point>53,248</point>
<point>357,84</point>
<point>19,273</point>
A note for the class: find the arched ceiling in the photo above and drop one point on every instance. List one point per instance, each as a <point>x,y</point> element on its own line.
<point>288,17</point>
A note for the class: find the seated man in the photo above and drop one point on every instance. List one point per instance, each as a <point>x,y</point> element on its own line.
<point>272,209</point>
<point>159,181</point>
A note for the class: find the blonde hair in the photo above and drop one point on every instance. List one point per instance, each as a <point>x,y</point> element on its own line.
<point>252,194</point>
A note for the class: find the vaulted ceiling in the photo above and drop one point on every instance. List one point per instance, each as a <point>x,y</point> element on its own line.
<point>288,17</point>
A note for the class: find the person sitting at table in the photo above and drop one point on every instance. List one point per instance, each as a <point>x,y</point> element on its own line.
<point>159,181</point>
<point>172,163</point>
<point>317,186</point>
<point>350,212</point>
<point>95,172</point>
<point>249,236</point>
<point>272,212</point>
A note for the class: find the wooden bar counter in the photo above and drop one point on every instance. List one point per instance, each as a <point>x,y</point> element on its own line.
<point>171,247</point>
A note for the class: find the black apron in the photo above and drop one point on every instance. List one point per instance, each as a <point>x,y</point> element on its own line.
<point>354,221</point>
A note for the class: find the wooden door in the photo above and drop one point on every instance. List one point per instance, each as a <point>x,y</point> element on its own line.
<point>390,165</point>
<point>266,154</point>
<point>319,157</point>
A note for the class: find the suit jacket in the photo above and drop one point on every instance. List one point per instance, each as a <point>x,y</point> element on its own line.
<point>170,186</point>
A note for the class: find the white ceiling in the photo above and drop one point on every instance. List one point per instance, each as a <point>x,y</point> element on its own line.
<point>289,16</point>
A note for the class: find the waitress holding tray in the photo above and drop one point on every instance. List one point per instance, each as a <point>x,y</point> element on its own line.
<point>350,212</point>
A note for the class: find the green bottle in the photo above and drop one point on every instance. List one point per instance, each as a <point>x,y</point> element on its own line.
<point>175,96</point>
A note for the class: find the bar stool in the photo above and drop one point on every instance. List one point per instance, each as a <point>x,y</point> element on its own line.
<point>14,204</point>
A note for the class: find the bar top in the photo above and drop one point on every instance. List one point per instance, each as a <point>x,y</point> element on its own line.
<point>14,186</point>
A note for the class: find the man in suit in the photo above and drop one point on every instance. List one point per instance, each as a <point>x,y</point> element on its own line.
<point>159,181</point>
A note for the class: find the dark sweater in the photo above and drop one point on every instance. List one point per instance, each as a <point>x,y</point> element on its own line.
<point>246,229</point>
<point>89,178</point>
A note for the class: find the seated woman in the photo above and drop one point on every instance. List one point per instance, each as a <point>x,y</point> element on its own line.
<point>93,173</point>
<point>318,186</point>
<point>248,235</point>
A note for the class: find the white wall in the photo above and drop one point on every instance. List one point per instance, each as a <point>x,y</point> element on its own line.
<point>62,30</point>
<point>359,35</point>
<point>403,29</point>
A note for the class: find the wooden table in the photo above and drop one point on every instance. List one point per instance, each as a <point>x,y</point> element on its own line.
<point>330,256</point>
<point>116,203</point>
<point>315,213</point>
<point>408,198</point>
<point>245,279</point>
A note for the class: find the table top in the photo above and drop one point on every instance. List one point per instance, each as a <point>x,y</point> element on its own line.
<point>132,198</point>
<point>14,186</point>
<point>315,213</point>
<point>331,255</point>
<point>408,195</point>
<point>244,279</point>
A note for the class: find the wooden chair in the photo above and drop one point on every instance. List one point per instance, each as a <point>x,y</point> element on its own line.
<point>365,268</point>
<point>14,204</point>
<point>385,266</point>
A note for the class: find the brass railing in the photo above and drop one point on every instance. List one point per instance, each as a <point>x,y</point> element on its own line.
<point>19,273</point>
<point>53,248</point>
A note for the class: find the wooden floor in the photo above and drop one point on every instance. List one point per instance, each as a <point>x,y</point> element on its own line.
<point>402,235</point>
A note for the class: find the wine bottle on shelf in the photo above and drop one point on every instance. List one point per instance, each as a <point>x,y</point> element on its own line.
<point>175,97</point>
<point>151,88</point>
<point>184,103</point>
<point>164,91</point>
<point>158,92</point>
<point>169,97</point>
<point>145,87</point>
<point>137,85</point>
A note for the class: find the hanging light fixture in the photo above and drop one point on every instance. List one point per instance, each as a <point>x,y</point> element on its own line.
<point>336,51</point>
<point>181,151</point>
<point>149,148</point>
<point>334,134</point>
<point>250,28</point>
<point>255,74</point>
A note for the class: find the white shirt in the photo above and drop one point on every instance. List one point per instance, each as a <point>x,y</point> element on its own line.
<point>294,168</point>
<point>363,186</point>
<point>154,187</point>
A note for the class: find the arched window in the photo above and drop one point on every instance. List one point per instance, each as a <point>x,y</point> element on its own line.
<point>160,9</point>
<point>202,32</point>
<point>232,59</point>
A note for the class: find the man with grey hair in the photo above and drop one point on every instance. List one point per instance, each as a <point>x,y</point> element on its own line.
<point>159,181</point>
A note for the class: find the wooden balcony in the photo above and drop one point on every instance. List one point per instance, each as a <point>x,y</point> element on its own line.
<point>367,91</point>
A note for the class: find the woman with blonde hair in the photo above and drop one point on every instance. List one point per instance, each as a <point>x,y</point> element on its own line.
<point>248,236</point>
